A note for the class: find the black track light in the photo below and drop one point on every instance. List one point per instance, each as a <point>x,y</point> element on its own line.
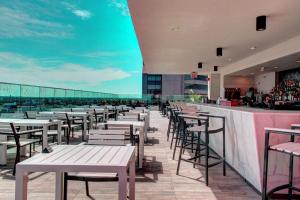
<point>200,65</point>
<point>215,68</point>
<point>219,51</point>
<point>261,23</point>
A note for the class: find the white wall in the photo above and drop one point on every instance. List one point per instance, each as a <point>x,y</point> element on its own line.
<point>265,82</point>
<point>244,83</point>
<point>214,86</point>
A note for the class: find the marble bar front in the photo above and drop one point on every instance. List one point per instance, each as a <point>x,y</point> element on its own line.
<point>245,139</point>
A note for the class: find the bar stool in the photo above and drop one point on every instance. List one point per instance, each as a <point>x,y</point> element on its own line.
<point>291,148</point>
<point>171,124</point>
<point>176,126</point>
<point>203,127</point>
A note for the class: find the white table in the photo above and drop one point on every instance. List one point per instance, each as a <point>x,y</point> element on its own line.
<point>140,125</point>
<point>28,123</point>
<point>82,115</point>
<point>80,158</point>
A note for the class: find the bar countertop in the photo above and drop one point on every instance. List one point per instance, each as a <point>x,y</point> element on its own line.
<point>250,109</point>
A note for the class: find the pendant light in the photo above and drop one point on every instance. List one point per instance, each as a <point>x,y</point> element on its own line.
<point>200,65</point>
<point>261,23</point>
<point>219,51</point>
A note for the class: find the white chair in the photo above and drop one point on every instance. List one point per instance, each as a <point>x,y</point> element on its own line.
<point>98,137</point>
<point>16,115</point>
<point>10,130</point>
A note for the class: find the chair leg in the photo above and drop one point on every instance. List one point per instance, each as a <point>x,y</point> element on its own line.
<point>265,174</point>
<point>224,154</point>
<point>168,131</point>
<point>176,144</point>
<point>72,132</point>
<point>291,177</point>
<point>171,143</point>
<point>87,188</point>
<point>65,187</point>
<point>177,139</point>
<point>29,150</point>
<point>17,160</point>
<point>68,135</point>
<point>206,157</point>
<point>180,154</point>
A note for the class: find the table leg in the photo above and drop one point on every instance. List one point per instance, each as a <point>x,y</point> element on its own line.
<point>132,179</point>
<point>21,185</point>
<point>122,184</point>
<point>59,133</point>
<point>3,150</point>
<point>59,186</point>
<point>45,136</point>
<point>141,148</point>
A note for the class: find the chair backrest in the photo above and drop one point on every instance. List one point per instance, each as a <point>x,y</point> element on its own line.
<point>79,109</point>
<point>108,137</point>
<point>16,115</point>
<point>128,128</point>
<point>9,129</point>
<point>129,118</point>
<point>61,109</point>
<point>46,116</point>
<point>31,114</point>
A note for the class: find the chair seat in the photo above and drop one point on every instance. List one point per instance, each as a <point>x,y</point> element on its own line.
<point>65,126</point>
<point>191,121</point>
<point>75,125</point>
<point>49,133</point>
<point>288,147</point>
<point>202,129</point>
<point>23,142</point>
<point>93,175</point>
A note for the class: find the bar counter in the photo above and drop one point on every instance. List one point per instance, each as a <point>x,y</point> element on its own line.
<point>245,139</point>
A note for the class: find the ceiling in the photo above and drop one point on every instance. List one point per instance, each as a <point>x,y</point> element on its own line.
<point>174,35</point>
<point>279,64</point>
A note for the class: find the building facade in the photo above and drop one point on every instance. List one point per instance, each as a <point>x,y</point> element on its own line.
<point>174,85</point>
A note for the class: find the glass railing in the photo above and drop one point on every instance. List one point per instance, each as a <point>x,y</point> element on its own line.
<point>18,97</point>
<point>21,98</point>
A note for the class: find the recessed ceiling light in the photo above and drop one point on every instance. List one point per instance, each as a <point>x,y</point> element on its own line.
<point>253,48</point>
<point>175,28</point>
<point>252,73</point>
<point>275,67</point>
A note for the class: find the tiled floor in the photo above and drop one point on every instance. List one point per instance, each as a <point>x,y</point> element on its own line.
<point>157,181</point>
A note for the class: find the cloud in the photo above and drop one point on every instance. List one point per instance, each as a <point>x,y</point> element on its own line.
<point>121,7</point>
<point>98,54</point>
<point>17,23</point>
<point>83,14</point>
<point>21,69</point>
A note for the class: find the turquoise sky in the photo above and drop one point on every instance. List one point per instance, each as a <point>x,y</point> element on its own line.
<point>79,44</point>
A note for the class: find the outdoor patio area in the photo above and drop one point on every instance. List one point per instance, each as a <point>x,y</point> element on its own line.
<point>156,180</point>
